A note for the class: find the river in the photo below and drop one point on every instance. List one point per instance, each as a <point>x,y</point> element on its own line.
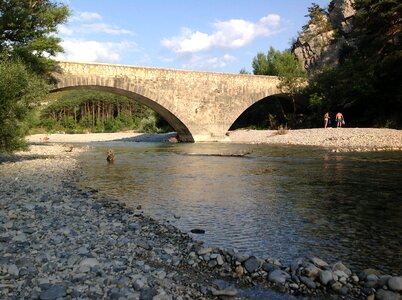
<point>278,202</point>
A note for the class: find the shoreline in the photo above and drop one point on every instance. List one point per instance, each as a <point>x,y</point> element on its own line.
<point>334,139</point>
<point>58,241</point>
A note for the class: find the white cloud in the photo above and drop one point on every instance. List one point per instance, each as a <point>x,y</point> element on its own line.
<point>208,62</point>
<point>86,16</point>
<point>93,51</point>
<point>64,30</point>
<point>103,28</point>
<point>85,23</point>
<point>235,33</point>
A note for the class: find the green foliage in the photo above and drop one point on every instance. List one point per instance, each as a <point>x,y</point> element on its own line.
<point>285,65</point>
<point>26,28</point>
<point>244,71</point>
<point>318,17</point>
<point>149,124</point>
<point>365,86</point>
<point>95,111</point>
<point>20,91</point>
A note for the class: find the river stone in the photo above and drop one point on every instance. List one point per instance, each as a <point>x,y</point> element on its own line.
<point>311,271</point>
<point>239,270</point>
<point>308,282</point>
<point>340,274</point>
<point>54,292</point>
<point>386,295</point>
<point>325,277</point>
<point>383,280</point>
<point>296,264</point>
<point>219,260</point>
<point>138,284</point>
<point>338,266</point>
<point>395,284</point>
<point>252,264</point>
<point>363,274</point>
<point>268,267</point>
<point>13,270</point>
<point>319,262</point>
<point>372,277</point>
<point>148,294</point>
<point>229,292</point>
<point>204,251</point>
<point>278,276</point>
<point>89,262</point>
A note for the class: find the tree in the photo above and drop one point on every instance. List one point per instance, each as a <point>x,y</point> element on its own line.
<point>284,65</point>
<point>20,90</point>
<point>366,83</point>
<point>244,71</point>
<point>26,28</point>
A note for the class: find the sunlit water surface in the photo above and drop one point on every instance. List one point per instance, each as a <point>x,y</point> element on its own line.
<point>277,202</point>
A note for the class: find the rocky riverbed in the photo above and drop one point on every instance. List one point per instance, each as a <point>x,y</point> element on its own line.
<point>60,242</point>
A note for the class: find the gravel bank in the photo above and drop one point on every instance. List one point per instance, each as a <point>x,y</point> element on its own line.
<point>60,242</point>
<point>335,139</point>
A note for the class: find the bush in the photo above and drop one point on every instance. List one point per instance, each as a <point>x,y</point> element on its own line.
<point>20,90</point>
<point>149,124</point>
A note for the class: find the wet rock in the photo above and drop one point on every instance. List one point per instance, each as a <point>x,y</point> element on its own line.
<point>13,270</point>
<point>278,276</point>
<point>325,277</point>
<point>339,266</point>
<point>229,292</point>
<point>395,284</point>
<point>53,292</point>
<point>311,271</point>
<point>363,275</point>
<point>89,262</point>
<point>252,264</point>
<point>197,231</point>
<point>148,294</point>
<point>308,282</point>
<point>387,295</point>
<point>239,270</point>
<point>319,262</point>
<point>204,251</point>
<point>268,267</point>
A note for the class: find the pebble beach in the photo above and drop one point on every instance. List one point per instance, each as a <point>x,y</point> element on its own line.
<point>57,241</point>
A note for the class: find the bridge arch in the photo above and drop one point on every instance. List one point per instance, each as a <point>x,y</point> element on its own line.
<point>200,106</point>
<point>181,129</point>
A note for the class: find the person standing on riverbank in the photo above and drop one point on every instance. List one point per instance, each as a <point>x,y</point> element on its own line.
<point>327,120</point>
<point>339,119</point>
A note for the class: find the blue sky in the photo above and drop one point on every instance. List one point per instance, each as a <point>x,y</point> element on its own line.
<point>208,35</point>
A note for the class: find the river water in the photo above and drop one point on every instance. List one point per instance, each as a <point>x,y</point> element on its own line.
<point>278,202</point>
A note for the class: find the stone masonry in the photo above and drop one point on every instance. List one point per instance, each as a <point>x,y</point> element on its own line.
<point>200,106</point>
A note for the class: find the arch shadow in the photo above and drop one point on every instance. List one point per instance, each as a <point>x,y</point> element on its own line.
<point>257,114</point>
<point>184,134</point>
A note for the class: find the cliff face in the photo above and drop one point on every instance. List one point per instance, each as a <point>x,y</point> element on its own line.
<point>321,40</point>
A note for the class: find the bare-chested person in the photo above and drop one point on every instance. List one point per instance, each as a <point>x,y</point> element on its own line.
<point>339,119</point>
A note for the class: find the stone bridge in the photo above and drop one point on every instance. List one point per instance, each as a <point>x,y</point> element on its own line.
<point>200,106</point>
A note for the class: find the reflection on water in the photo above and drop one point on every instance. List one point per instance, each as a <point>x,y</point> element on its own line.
<point>281,202</point>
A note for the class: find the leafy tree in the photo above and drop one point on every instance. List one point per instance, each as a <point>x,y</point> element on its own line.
<point>26,28</point>
<point>244,71</point>
<point>260,64</point>
<point>285,65</point>
<point>20,90</point>
<point>366,84</point>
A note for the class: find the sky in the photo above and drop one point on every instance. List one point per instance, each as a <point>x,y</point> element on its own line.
<point>208,35</point>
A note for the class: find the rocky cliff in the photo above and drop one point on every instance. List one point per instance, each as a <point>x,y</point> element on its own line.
<point>323,37</point>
